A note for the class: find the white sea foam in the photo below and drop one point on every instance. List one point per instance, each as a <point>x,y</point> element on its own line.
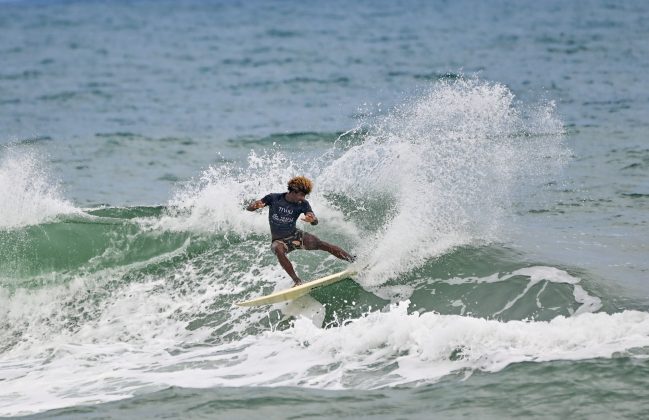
<point>381,349</point>
<point>28,195</point>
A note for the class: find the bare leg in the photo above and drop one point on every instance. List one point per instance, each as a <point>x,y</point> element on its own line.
<point>280,250</point>
<point>312,242</point>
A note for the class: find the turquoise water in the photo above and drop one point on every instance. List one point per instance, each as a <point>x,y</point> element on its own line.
<point>488,162</point>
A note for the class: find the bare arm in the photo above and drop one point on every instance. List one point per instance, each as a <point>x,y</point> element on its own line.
<point>255,205</point>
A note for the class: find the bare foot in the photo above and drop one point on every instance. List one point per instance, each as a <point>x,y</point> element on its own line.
<point>296,282</point>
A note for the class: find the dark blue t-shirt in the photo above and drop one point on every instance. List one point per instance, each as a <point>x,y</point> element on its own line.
<point>283,214</point>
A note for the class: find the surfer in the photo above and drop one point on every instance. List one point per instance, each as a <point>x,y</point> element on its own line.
<point>285,209</point>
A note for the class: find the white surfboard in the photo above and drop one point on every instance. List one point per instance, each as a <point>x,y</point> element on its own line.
<point>297,291</point>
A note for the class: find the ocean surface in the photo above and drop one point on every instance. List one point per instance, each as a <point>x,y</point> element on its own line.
<point>488,162</point>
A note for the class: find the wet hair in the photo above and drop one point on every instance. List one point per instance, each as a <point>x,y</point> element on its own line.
<point>300,183</point>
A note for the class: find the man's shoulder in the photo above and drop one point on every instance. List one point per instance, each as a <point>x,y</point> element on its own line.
<point>272,197</point>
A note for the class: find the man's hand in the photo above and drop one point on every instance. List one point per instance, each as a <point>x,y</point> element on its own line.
<point>310,218</point>
<point>256,205</point>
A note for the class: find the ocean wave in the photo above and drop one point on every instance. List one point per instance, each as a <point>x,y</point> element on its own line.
<point>418,193</point>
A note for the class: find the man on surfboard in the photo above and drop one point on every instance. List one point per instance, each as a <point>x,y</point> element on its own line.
<point>285,209</point>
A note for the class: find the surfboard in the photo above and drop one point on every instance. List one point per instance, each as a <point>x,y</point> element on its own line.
<point>297,291</point>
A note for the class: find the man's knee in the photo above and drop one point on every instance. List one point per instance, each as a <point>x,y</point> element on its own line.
<point>311,242</point>
<point>279,248</point>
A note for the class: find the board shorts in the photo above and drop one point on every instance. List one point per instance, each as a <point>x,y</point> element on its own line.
<point>292,242</point>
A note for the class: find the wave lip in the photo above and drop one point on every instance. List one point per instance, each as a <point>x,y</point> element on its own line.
<point>28,196</point>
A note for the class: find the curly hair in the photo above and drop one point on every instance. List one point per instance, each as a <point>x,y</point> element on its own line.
<point>300,183</point>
